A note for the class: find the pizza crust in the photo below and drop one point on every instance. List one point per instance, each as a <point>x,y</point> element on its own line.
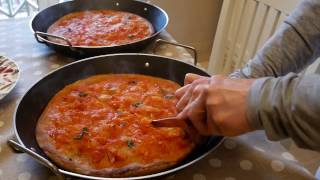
<point>74,166</point>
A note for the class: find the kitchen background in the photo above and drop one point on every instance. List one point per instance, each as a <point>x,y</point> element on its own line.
<point>192,22</point>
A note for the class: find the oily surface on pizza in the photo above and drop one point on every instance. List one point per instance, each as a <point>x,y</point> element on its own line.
<point>101,126</point>
<point>101,28</point>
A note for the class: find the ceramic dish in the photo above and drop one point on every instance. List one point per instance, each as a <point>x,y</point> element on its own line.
<point>9,75</point>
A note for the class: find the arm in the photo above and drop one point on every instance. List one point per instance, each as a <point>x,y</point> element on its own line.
<point>288,106</point>
<point>295,45</point>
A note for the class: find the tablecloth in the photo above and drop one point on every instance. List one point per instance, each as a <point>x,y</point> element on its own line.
<point>245,157</point>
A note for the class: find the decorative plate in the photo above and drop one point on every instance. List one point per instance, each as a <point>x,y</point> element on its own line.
<point>9,75</point>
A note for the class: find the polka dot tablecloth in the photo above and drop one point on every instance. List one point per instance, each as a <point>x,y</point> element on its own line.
<point>246,157</point>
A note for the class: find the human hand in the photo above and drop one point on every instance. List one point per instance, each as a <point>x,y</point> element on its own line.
<point>216,105</point>
<point>191,81</point>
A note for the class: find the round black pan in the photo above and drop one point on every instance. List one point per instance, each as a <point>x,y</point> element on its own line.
<point>36,98</point>
<point>41,22</point>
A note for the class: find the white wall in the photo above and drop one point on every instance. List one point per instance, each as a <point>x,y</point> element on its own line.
<point>193,22</point>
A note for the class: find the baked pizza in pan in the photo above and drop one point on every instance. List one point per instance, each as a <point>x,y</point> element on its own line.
<point>101,28</point>
<point>102,126</point>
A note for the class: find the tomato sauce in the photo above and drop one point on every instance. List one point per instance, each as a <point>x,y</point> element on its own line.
<point>101,28</point>
<point>105,120</point>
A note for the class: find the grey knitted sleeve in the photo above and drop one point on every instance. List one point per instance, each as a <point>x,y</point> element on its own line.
<point>293,46</point>
<point>286,104</point>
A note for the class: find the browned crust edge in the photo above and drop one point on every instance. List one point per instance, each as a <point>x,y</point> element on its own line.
<point>78,167</point>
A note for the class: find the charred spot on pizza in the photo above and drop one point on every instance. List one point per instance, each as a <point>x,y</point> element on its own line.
<point>132,82</point>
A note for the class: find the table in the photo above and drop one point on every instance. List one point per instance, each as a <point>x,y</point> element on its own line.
<point>249,156</point>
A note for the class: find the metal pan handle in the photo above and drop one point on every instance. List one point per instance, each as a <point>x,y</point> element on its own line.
<point>37,34</point>
<point>18,147</point>
<point>195,54</point>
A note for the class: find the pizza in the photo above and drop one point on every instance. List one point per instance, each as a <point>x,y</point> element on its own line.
<point>102,126</point>
<point>101,28</point>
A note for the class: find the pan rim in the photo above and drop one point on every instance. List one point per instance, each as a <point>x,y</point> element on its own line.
<point>100,47</point>
<point>70,173</point>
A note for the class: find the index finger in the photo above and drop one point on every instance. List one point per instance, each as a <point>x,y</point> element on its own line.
<point>181,91</point>
<point>190,77</point>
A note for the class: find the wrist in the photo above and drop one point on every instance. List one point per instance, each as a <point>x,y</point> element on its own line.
<point>253,103</point>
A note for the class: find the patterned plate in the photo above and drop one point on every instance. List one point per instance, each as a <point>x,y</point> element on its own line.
<point>9,75</point>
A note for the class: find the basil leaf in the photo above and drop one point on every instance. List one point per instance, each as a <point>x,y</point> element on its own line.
<point>84,131</point>
<point>130,143</point>
<point>137,104</point>
<point>83,94</point>
<point>122,124</point>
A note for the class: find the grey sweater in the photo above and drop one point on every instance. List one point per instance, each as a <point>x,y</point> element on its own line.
<point>283,103</point>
